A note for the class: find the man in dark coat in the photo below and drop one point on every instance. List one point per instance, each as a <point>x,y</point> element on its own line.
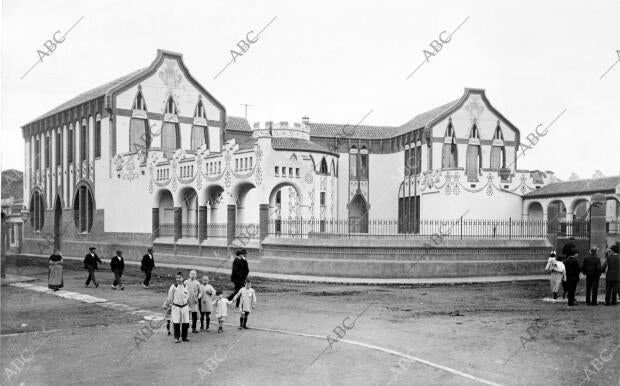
<point>148,264</point>
<point>592,270</point>
<point>572,276</point>
<point>240,271</point>
<point>117,264</point>
<point>611,267</point>
<point>90,263</point>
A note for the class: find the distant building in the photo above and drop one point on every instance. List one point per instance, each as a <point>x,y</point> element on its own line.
<point>12,206</point>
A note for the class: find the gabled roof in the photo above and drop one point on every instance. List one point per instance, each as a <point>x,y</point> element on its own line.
<point>589,186</point>
<point>110,89</point>
<point>424,120</point>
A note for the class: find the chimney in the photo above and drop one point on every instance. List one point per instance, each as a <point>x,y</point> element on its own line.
<point>305,120</point>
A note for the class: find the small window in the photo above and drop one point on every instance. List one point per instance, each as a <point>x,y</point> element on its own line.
<point>277,171</point>
<point>37,154</point>
<point>297,172</point>
<point>290,172</point>
<point>138,103</point>
<point>279,197</point>
<point>84,143</point>
<point>322,199</point>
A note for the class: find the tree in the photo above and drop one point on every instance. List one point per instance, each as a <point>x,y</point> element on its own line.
<point>598,174</point>
<point>573,177</point>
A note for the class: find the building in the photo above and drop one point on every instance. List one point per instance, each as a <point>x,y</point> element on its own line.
<point>12,205</point>
<point>152,158</point>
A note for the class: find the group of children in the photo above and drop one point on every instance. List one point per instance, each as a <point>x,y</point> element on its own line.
<point>191,297</point>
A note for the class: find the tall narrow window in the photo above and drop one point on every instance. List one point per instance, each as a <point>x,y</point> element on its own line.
<point>363,164</point>
<point>37,207</point>
<point>498,152</point>
<point>59,148</point>
<point>449,154</point>
<point>170,140</point>
<point>138,102</point>
<point>70,146</point>
<point>200,133</point>
<point>98,137</point>
<point>323,167</point>
<point>47,151</point>
<point>83,209</point>
<point>37,154</point>
<point>474,157</point>
<point>139,137</point>
<point>199,136</point>
<point>353,162</point>
<point>84,142</point>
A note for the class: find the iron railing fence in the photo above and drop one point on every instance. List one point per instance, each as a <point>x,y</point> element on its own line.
<point>247,231</point>
<point>376,228</point>
<point>576,228</point>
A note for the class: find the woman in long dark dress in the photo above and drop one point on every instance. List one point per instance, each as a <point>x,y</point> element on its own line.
<point>54,280</point>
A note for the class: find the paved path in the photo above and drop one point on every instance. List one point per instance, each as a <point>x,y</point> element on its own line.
<point>343,280</point>
<point>158,316</point>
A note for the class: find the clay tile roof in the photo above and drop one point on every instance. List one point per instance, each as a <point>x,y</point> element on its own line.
<point>237,123</point>
<point>299,144</point>
<point>599,185</point>
<point>376,132</point>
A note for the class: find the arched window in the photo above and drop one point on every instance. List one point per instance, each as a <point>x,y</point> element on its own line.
<point>449,152</point>
<point>83,209</point>
<point>358,215</point>
<point>48,152</point>
<point>70,144</point>
<point>474,156</point>
<point>334,171</point>
<point>498,151</point>
<point>37,210</point>
<point>58,148</point>
<point>200,133</point>
<point>170,136</point>
<point>84,141</point>
<point>139,134</point>
<point>323,167</point>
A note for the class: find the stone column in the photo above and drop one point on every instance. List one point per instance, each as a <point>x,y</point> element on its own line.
<point>553,225</point>
<point>203,214</point>
<point>598,233</point>
<point>155,223</point>
<point>263,221</point>
<point>178,219</point>
<point>231,223</point>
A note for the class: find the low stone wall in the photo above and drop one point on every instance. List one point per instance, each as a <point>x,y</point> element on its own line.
<point>380,258</point>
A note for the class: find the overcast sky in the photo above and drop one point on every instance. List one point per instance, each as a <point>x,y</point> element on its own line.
<point>336,61</point>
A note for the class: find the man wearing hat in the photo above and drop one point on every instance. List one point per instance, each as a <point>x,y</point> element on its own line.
<point>592,269</point>
<point>572,276</point>
<point>240,271</point>
<point>611,267</point>
<point>90,263</point>
<point>117,264</point>
<point>148,264</point>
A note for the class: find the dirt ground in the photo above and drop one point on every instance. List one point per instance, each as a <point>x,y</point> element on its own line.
<point>500,333</point>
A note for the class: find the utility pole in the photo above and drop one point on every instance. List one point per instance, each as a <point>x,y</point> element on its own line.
<point>246,109</point>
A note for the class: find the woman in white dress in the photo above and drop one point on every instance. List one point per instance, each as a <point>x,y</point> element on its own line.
<point>557,271</point>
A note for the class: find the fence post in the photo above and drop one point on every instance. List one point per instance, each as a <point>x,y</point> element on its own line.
<point>263,218</point>
<point>461,227</point>
<point>509,228</point>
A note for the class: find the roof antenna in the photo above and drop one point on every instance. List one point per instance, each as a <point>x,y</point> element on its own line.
<point>246,109</point>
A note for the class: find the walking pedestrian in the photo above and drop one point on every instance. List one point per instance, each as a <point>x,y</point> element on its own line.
<point>193,288</point>
<point>148,265</point>
<point>55,278</point>
<point>117,264</point>
<point>90,263</point>
<point>611,267</point>
<point>557,271</point>
<point>177,298</point>
<point>572,276</point>
<point>592,270</point>
<point>240,271</point>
